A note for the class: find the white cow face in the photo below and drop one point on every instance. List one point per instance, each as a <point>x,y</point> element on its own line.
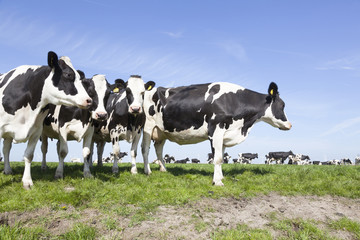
<point>135,90</point>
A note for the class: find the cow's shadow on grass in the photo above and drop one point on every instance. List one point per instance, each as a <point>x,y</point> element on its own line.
<point>104,173</point>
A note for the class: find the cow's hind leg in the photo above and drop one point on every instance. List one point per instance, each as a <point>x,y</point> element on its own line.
<point>44,148</point>
<point>218,149</point>
<point>116,152</point>
<point>62,148</point>
<point>159,146</point>
<point>6,151</point>
<point>100,150</point>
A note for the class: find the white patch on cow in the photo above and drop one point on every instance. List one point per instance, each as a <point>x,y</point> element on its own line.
<point>136,84</point>
<point>100,87</point>
<point>273,121</point>
<point>225,87</point>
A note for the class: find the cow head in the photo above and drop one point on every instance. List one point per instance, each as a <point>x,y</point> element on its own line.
<point>99,90</point>
<point>274,114</point>
<point>135,90</point>
<point>65,87</point>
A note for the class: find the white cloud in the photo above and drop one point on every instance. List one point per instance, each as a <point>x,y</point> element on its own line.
<point>174,34</point>
<point>346,63</point>
<point>234,49</point>
<point>342,126</point>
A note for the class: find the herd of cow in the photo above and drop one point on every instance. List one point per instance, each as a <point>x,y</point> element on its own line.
<point>57,101</point>
<point>271,158</point>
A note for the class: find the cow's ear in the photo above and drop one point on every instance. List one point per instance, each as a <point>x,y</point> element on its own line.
<point>119,84</point>
<point>81,73</point>
<point>149,85</point>
<point>273,90</point>
<point>53,60</point>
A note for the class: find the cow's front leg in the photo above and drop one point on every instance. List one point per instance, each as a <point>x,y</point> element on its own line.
<point>28,157</point>
<point>6,151</point>
<point>86,155</point>
<point>145,146</point>
<point>133,152</point>
<point>159,146</point>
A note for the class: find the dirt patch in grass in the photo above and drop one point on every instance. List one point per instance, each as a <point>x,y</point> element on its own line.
<point>197,220</point>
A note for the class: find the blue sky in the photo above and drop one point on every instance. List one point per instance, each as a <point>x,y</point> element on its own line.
<point>309,48</point>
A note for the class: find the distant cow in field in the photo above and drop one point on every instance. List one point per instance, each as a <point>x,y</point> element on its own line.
<point>299,159</point>
<point>278,157</point>
<point>246,158</point>
<point>357,161</point>
<point>195,160</point>
<point>183,160</point>
<point>227,158</point>
<point>220,112</point>
<point>210,159</point>
<point>346,161</point>
<point>25,93</point>
<point>169,159</point>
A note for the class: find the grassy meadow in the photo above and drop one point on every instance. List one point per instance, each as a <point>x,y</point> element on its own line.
<point>137,195</point>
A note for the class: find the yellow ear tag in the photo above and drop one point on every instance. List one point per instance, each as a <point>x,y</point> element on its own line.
<point>149,88</point>
<point>116,90</point>
<point>272,92</point>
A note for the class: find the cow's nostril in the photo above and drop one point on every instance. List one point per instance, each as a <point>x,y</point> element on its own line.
<point>89,101</point>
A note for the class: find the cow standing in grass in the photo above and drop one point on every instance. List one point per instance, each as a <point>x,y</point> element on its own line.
<point>72,123</point>
<point>126,119</point>
<point>220,112</point>
<point>25,93</point>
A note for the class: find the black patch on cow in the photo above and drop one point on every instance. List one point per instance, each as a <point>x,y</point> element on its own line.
<point>50,116</point>
<point>67,114</point>
<point>6,77</point>
<point>25,89</point>
<point>152,110</point>
<point>64,77</point>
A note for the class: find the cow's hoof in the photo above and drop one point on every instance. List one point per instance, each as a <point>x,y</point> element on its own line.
<point>8,172</point>
<point>88,175</point>
<point>59,176</point>
<point>134,170</point>
<point>218,183</point>
<point>27,185</point>
<point>162,169</point>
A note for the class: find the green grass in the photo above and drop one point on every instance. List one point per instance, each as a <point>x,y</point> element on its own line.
<point>180,185</point>
<point>137,196</point>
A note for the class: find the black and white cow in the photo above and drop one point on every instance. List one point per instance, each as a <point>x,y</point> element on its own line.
<point>126,119</point>
<point>246,158</point>
<point>346,161</point>
<point>195,160</point>
<point>183,161</point>
<point>71,123</point>
<point>220,112</point>
<point>169,159</point>
<point>278,157</point>
<point>25,93</point>
<point>299,159</point>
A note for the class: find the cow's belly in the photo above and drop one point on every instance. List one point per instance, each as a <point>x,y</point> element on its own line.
<point>188,136</point>
<point>76,131</point>
<point>22,125</point>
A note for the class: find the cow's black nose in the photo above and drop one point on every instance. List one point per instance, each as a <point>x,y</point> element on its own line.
<point>102,116</point>
<point>89,101</point>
